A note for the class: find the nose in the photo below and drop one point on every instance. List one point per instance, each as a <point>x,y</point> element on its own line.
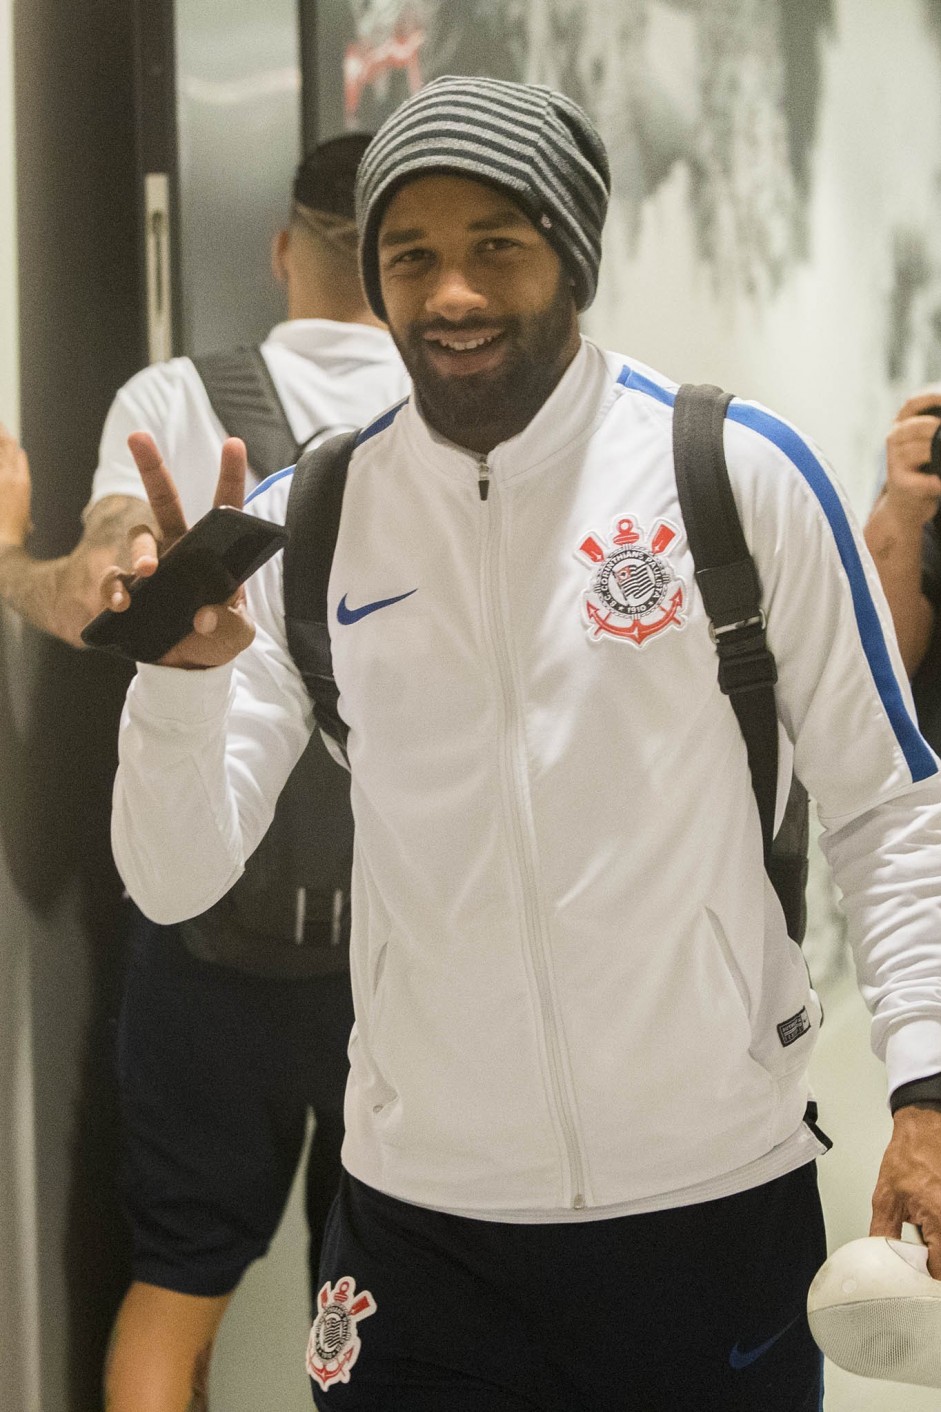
<point>453,296</point>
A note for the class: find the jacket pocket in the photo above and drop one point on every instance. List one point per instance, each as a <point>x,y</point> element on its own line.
<point>731,961</point>
<point>371,1055</point>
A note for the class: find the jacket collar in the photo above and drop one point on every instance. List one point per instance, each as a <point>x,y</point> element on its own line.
<point>580,400</point>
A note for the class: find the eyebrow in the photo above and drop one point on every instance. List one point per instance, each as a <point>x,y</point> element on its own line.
<point>499,220</point>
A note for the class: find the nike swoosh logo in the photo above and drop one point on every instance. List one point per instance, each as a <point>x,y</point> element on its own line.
<point>347,615</point>
<point>739,1359</point>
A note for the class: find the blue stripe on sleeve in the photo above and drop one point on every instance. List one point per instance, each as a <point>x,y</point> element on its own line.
<point>918,756</point>
<point>380,423</point>
<point>269,481</point>
<point>638,383</point>
<point>373,429</point>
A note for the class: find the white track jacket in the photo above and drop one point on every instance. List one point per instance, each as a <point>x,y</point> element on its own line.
<point>574,991</point>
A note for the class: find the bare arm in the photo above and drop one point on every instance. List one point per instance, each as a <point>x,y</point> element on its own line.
<point>894,529</point>
<point>59,596</point>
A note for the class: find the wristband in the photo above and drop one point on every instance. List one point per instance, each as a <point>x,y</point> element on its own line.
<point>925,1092</point>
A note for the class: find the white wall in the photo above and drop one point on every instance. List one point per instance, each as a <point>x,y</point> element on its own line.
<point>814,349</point>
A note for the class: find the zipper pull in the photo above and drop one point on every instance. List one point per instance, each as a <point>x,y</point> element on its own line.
<point>483,477</point>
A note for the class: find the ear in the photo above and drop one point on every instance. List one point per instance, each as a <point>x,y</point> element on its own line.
<point>280,247</point>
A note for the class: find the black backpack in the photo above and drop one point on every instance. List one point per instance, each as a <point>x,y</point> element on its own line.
<point>725,573</point>
<point>288,914</point>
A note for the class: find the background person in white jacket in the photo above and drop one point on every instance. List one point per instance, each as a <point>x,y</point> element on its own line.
<point>577,1167</point>
<point>218,1065</point>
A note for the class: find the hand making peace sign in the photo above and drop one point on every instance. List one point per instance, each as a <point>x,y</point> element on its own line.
<point>220,631</point>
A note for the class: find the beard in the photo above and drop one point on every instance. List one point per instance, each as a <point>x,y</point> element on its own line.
<point>472,408</point>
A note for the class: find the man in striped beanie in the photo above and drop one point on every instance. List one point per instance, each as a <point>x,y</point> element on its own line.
<point>533,159</point>
<point>579,1162</point>
<point>533,143</point>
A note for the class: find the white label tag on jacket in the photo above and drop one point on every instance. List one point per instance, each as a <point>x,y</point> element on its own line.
<point>792,1029</point>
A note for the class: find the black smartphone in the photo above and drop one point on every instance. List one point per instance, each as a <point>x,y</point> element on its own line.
<point>206,565</point>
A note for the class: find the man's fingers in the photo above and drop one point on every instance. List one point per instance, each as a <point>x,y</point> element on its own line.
<point>917,424</point>
<point>908,1187</point>
<point>933,1241</point>
<point>891,1228</point>
<point>162,492</point>
<point>158,483</point>
<point>888,1207</point>
<point>220,632</point>
<point>917,405</point>
<point>112,590</point>
<point>15,491</point>
<point>913,434</point>
<point>233,467</point>
<point>9,445</point>
<point>114,586</point>
<point>908,451</point>
<point>143,551</point>
<point>887,1224</point>
<point>206,621</point>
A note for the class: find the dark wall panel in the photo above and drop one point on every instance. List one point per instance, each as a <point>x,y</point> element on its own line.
<point>80,338</point>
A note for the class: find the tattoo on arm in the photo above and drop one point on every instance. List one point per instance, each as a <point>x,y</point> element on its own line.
<point>110,521</point>
<point>59,596</point>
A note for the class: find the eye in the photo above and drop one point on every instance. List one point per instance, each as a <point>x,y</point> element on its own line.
<point>407,257</point>
<point>496,244</point>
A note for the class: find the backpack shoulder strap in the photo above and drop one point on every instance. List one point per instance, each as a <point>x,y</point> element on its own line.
<point>243,396</point>
<point>728,582</point>
<point>313,521</point>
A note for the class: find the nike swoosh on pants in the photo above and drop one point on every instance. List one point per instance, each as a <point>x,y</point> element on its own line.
<point>739,1359</point>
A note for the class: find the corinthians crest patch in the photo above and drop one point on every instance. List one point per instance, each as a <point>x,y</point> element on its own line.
<point>634,592</point>
<point>334,1342</point>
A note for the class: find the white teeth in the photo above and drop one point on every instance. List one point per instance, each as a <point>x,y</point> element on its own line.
<point>465,347</point>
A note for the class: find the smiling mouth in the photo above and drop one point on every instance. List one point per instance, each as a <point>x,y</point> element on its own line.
<point>454,345</point>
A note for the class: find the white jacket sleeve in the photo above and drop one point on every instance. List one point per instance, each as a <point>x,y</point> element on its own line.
<point>846,708</point>
<point>203,757</point>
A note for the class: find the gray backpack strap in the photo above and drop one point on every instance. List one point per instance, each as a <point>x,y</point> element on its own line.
<point>288,915</point>
<point>313,522</point>
<point>243,396</point>
<point>728,581</point>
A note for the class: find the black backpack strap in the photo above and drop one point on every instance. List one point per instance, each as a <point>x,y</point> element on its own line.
<point>243,396</point>
<point>313,521</point>
<point>320,435</point>
<point>728,582</point>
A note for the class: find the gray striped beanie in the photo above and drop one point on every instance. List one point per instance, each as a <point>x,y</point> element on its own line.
<point>533,143</point>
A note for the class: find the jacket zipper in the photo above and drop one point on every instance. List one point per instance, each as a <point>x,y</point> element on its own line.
<point>535,930</point>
